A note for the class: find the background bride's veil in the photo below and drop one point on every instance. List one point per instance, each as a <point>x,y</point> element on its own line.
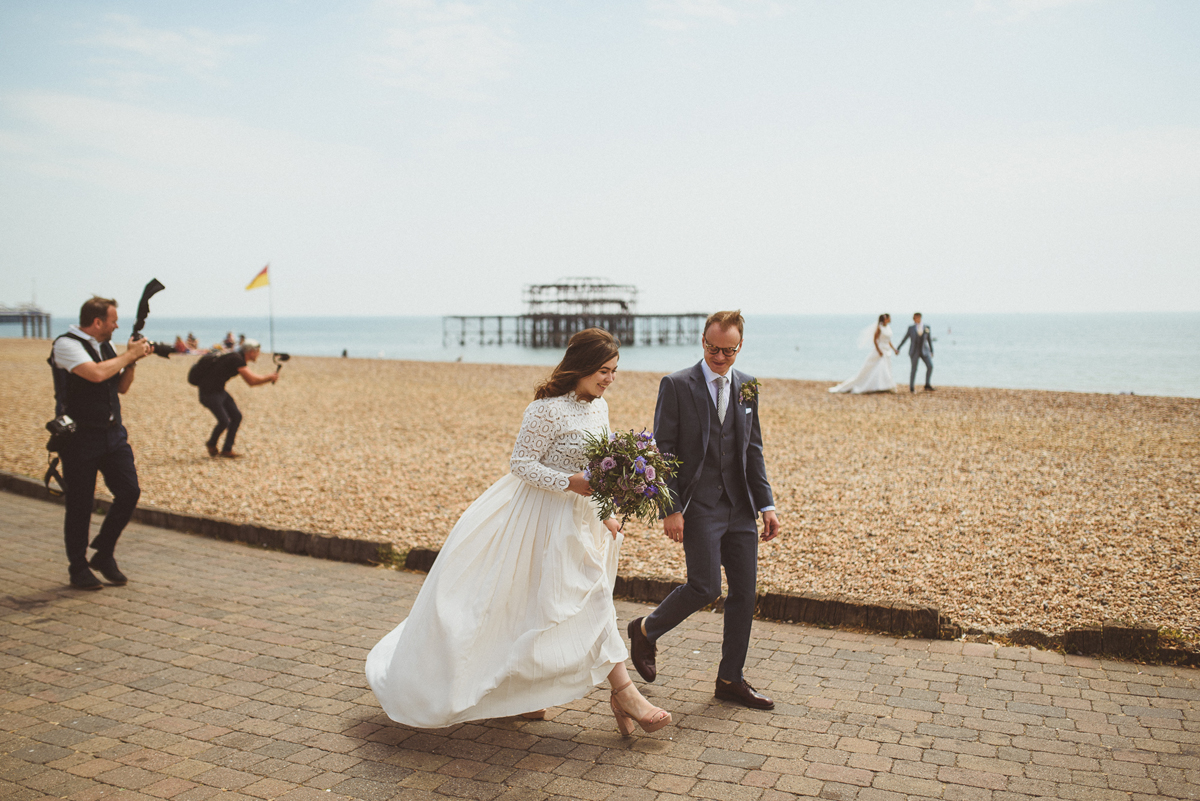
<point>866,337</point>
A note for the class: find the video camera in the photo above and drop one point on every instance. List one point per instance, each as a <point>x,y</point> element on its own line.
<point>279,359</point>
<point>160,348</point>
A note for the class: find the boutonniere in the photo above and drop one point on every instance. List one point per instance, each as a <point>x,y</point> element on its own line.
<point>749,391</point>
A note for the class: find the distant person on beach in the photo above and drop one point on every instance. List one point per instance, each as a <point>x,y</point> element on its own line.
<point>876,372</point>
<point>517,613</point>
<point>192,343</point>
<point>920,349</point>
<point>228,342</point>
<point>88,390</point>
<point>707,415</point>
<point>213,396</point>
<point>180,345</point>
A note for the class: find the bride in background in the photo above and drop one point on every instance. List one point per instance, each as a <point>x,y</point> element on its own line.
<point>517,612</point>
<point>876,373</point>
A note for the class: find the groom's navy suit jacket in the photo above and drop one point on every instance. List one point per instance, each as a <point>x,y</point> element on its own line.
<point>681,427</point>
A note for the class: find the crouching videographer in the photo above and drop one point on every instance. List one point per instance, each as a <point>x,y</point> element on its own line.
<point>93,379</point>
<point>210,373</point>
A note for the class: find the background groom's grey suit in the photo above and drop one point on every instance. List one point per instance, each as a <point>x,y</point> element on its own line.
<point>920,349</point>
<point>720,485</point>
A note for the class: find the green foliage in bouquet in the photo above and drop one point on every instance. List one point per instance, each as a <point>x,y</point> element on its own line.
<point>628,475</point>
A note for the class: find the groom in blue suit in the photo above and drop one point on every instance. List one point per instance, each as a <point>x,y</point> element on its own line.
<point>920,349</point>
<point>707,415</point>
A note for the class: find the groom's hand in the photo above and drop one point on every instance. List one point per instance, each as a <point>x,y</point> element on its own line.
<point>770,526</point>
<point>673,526</point>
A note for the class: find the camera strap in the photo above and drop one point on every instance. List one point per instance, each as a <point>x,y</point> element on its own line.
<point>52,473</point>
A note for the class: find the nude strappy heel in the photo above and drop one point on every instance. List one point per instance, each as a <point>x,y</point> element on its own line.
<point>654,720</point>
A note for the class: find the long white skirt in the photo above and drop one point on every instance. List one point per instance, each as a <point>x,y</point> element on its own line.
<point>875,376</point>
<point>516,614</point>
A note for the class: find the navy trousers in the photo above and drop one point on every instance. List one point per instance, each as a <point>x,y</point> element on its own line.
<point>91,451</point>
<point>722,535</point>
<point>223,407</point>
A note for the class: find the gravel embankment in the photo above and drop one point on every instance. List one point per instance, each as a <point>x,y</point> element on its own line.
<point>1005,508</point>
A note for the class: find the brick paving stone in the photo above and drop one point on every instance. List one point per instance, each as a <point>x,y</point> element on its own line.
<point>233,673</point>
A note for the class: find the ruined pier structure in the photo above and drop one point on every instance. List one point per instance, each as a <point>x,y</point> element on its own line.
<point>34,322</point>
<point>554,312</point>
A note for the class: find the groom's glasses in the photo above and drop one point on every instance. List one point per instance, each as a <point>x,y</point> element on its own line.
<point>714,350</point>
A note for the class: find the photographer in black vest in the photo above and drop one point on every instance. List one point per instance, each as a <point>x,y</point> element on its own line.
<point>96,377</point>
<point>211,381</point>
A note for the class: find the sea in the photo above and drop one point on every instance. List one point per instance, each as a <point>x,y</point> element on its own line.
<point>1130,353</point>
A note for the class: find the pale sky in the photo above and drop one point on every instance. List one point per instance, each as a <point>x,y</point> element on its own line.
<point>421,157</point>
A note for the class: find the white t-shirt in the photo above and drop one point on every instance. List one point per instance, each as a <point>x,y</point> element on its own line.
<point>70,353</point>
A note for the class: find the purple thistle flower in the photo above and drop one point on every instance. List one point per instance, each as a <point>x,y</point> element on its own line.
<point>639,465</point>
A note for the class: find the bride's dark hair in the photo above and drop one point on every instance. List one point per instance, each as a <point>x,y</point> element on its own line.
<point>588,351</point>
<point>885,314</point>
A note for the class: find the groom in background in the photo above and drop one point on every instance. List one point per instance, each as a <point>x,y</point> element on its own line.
<point>707,416</point>
<point>920,349</point>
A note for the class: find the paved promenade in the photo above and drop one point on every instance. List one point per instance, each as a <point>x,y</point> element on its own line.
<point>229,673</point>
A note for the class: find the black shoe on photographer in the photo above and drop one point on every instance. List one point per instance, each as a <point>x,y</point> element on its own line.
<point>85,580</point>
<point>108,568</point>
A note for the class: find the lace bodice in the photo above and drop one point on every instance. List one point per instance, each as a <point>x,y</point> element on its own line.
<point>549,446</point>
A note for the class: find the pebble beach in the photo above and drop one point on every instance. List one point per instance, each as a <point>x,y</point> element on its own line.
<point>1005,508</point>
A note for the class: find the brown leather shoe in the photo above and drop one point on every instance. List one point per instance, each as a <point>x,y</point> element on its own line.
<point>212,450</point>
<point>642,651</point>
<point>740,692</point>
<point>229,455</point>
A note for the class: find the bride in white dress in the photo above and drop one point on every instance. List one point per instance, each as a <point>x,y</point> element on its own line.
<point>517,612</point>
<point>876,373</point>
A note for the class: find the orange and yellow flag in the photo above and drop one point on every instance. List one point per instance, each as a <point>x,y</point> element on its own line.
<point>259,280</point>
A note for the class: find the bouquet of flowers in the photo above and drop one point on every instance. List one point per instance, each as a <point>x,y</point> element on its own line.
<point>628,475</point>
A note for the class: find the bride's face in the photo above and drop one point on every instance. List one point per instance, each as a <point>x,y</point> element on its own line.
<point>593,386</point>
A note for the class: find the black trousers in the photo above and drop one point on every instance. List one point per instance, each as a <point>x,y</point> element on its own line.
<point>229,417</point>
<point>91,451</point>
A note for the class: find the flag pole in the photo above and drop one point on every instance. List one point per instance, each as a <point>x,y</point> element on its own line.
<point>264,278</point>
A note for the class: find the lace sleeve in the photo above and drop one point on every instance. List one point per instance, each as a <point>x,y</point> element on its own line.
<point>538,431</point>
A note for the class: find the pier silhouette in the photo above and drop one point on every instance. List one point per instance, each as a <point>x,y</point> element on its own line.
<point>554,312</point>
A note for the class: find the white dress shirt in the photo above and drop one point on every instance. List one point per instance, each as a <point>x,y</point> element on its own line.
<point>710,378</point>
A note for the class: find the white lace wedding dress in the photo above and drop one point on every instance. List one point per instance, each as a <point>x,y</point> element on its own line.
<point>517,612</point>
<point>876,373</point>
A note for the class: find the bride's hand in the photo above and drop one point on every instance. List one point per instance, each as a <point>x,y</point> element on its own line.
<point>614,526</point>
<point>577,483</point>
